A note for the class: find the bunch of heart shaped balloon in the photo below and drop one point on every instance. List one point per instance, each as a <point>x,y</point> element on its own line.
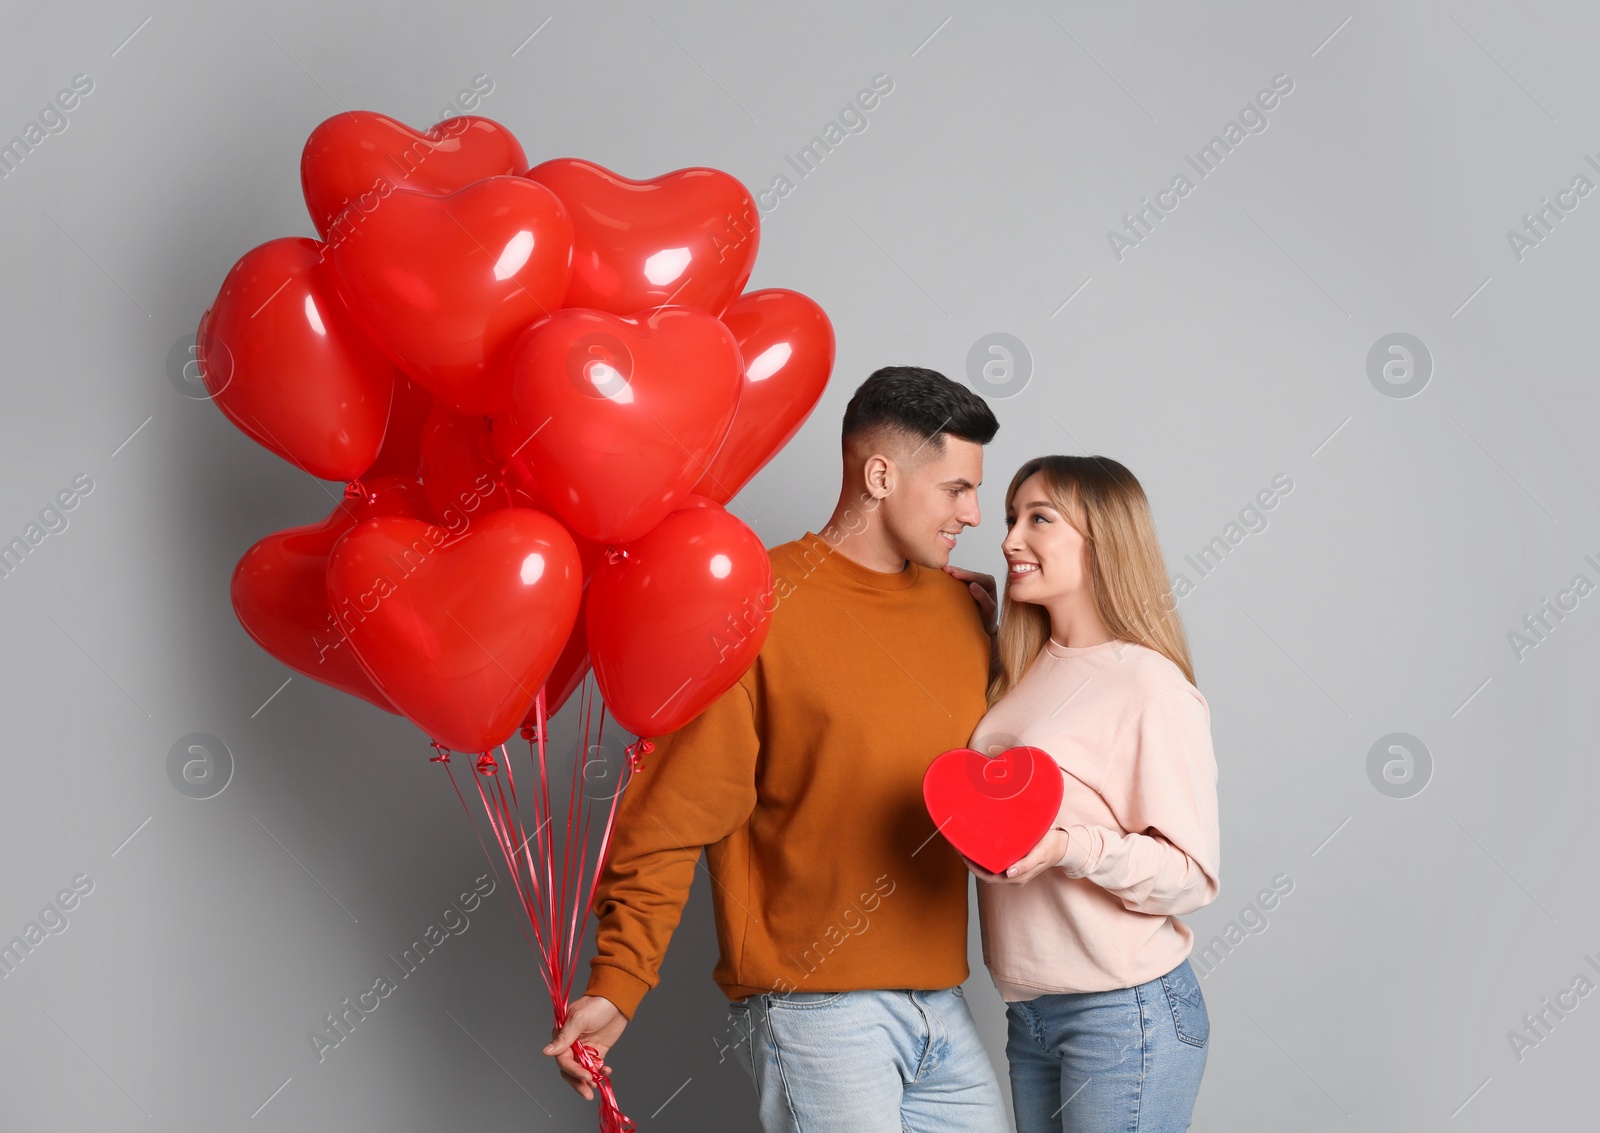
<point>541,386</point>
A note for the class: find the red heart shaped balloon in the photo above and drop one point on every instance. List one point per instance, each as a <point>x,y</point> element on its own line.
<point>617,417</point>
<point>399,456</point>
<point>686,238</point>
<point>444,284</point>
<point>280,591</point>
<point>678,616</point>
<point>787,344</point>
<point>993,810</point>
<point>354,160</point>
<point>283,361</point>
<point>458,634</point>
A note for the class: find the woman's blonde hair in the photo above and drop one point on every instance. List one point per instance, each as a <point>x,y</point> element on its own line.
<point>1104,503</point>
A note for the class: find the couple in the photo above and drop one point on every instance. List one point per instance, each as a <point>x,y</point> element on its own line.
<point>840,915</point>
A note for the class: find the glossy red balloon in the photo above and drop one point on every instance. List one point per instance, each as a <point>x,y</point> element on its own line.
<point>280,591</point>
<point>458,634</point>
<point>787,344</point>
<point>399,455</point>
<point>686,238</point>
<point>674,622</point>
<point>354,160</point>
<point>618,417</point>
<point>444,284</point>
<point>283,361</point>
<point>459,470</point>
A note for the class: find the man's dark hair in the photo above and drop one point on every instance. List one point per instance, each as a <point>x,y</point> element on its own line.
<point>919,402</point>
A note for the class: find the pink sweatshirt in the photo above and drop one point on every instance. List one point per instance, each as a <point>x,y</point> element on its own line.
<point>1133,737</point>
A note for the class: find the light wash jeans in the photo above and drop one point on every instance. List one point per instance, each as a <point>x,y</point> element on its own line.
<point>877,1061</point>
<point>1128,1060</point>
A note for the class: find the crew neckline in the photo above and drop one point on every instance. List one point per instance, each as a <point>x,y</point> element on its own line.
<point>1056,649</point>
<point>877,579</point>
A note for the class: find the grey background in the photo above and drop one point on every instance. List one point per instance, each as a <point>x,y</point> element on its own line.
<point>1229,348</point>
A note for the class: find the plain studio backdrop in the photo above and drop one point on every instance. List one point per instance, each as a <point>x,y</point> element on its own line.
<point>1405,730</point>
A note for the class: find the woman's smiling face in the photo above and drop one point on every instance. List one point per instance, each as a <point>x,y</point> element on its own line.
<point>1045,556</point>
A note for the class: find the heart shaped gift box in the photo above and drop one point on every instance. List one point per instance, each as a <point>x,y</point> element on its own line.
<point>993,809</point>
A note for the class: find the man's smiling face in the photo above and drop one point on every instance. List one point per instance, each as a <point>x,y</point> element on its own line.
<point>934,499</point>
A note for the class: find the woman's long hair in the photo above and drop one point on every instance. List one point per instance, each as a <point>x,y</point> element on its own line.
<point>1105,503</point>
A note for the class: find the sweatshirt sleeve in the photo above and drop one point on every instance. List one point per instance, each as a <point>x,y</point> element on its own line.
<point>694,789</point>
<point>1167,856</point>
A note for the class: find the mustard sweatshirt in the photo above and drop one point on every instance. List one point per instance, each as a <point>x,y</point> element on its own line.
<point>803,786</point>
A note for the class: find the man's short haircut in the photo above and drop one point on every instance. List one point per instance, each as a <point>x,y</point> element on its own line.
<point>920,406</point>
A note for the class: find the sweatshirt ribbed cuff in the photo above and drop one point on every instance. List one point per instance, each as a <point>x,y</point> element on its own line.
<point>622,988</point>
<point>1082,850</point>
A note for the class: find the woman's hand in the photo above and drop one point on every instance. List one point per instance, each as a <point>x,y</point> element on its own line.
<point>1049,852</point>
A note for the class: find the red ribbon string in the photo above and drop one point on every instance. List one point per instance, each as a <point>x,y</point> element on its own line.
<point>555,901</point>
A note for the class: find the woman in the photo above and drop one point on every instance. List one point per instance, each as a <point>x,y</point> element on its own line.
<point>1107,1026</point>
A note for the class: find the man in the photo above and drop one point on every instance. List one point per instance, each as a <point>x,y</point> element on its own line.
<point>841,918</point>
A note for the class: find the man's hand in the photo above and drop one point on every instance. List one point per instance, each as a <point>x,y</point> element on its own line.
<point>982,589</point>
<point>1049,852</point>
<point>594,1021</point>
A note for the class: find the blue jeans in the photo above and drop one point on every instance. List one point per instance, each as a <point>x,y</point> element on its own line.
<point>1128,1060</point>
<point>876,1061</point>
